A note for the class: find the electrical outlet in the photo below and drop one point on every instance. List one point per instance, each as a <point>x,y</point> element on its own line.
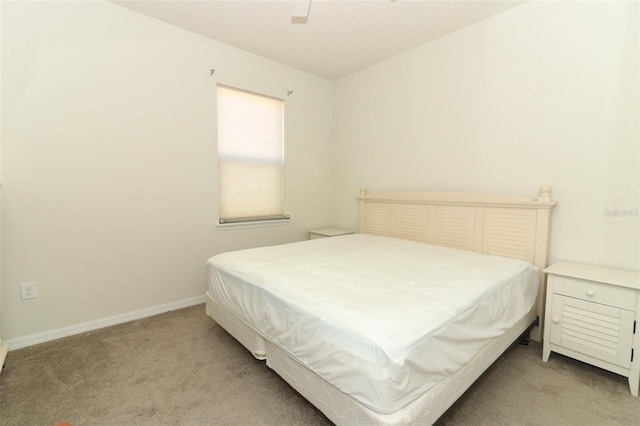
<point>29,290</point>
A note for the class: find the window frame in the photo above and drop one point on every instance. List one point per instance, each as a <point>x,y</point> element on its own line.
<point>260,221</point>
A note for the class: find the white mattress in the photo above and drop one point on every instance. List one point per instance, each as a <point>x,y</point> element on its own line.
<point>381,319</point>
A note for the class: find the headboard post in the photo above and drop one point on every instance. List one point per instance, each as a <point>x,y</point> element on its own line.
<point>545,193</point>
<point>542,259</point>
<point>543,228</point>
<point>361,210</point>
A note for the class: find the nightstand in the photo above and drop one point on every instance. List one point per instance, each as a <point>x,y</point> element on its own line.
<point>327,232</point>
<point>592,314</point>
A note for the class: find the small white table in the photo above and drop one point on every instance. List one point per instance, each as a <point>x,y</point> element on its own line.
<point>327,232</point>
<point>592,314</point>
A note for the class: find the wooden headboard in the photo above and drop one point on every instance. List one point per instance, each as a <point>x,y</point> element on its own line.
<point>501,225</point>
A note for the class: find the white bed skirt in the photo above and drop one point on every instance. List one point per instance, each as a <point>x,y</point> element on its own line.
<point>341,408</point>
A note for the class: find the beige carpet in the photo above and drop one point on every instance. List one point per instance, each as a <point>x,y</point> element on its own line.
<point>180,368</point>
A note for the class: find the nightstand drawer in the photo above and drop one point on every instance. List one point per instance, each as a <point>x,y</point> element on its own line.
<point>595,292</point>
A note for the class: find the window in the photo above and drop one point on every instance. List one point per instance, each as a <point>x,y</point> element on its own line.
<point>250,156</point>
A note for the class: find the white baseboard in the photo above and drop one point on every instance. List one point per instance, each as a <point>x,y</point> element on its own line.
<point>46,336</point>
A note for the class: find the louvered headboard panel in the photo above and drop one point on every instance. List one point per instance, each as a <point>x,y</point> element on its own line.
<point>501,225</point>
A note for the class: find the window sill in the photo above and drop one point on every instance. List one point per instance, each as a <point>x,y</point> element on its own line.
<point>257,224</point>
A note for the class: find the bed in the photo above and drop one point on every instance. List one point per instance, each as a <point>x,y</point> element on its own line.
<point>392,324</point>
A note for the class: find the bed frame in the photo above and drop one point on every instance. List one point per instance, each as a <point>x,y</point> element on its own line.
<point>500,225</point>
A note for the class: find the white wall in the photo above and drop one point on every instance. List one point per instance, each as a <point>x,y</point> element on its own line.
<point>109,160</point>
<point>546,92</point>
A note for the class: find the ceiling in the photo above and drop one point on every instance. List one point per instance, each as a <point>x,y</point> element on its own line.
<point>337,38</point>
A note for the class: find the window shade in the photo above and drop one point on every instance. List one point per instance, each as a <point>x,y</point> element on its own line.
<point>250,156</point>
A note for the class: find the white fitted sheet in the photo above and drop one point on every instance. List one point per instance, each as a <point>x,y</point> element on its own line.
<point>381,319</point>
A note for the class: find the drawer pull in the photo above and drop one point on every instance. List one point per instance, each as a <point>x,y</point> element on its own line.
<point>590,293</point>
<point>556,320</point>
